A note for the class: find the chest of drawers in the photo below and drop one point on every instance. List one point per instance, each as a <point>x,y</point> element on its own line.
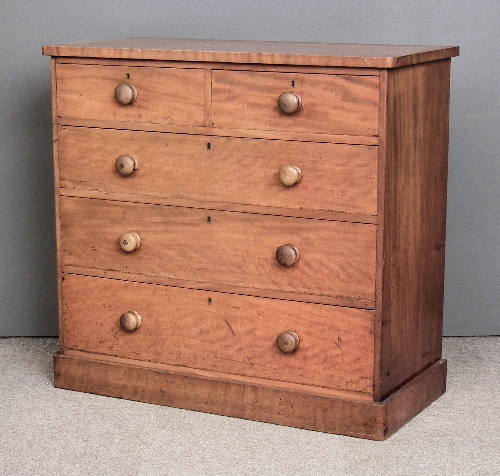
<point>253,229</point>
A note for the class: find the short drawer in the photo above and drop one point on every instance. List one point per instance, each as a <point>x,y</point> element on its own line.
<point>334,177</point>
<point>220,332</point>
<point>164,95</point>
<point>220,248</point>
<point>330,104</point>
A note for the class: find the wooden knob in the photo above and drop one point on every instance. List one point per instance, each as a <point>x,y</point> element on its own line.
<point>289,102</point>
<point>287,342</point>
<point>130,241</point>
<point>287,255</point>
<point>126,164</point>
<point>130,321</point>
<point>125,93</point>
<point>289,175</point>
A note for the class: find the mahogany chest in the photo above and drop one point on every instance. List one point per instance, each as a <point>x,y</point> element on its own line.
<point>253,229</point>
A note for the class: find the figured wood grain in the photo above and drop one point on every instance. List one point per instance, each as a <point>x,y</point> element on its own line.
<point>227,206</point>
<point>411,305</point>
<point>164,95</point>
<point>232,334</point>
<point>244,379</point>
<point>335,177</point>
<point>223,288</point>
<point>261,52</point>
<point>225,396</point>
<point>330,104</point>
<point>211,295</point>
<point>238,249</point>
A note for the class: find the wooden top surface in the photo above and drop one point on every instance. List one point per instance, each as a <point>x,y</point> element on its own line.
<point>257,52</point>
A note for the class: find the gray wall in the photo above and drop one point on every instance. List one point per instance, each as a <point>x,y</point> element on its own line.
<point>27,255</point>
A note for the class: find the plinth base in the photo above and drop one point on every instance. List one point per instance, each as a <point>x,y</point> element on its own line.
<point>271,404</point>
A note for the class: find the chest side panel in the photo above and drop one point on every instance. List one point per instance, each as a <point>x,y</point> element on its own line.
<point>414,221</point>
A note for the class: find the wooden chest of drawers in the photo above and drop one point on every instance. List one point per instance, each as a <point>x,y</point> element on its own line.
<point>253,229</point>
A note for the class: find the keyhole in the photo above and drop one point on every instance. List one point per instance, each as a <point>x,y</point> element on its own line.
<point>209,220</point>
<point>208,145</point>
<point>293,84</point>
<point>128,76</point>
<point>209,301</point>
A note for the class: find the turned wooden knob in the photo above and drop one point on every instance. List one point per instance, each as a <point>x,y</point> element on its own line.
<point>125,93</point>
<point>287,255</point>
<point>289,175</point>
<point>289,102</point>
<point>126,164</point>
<point>287,342</point>
<point>130,321</point>
<point>130,241</point>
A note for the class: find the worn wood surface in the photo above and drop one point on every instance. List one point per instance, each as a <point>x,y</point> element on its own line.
<point>220,332</point>
<point>164,95</point>
<point>335,177</point>
<point>268,52</point>
<point>416,395</point>
<point>267,403</point>
<point>215,132</point>
<point>337,258</point>
<point>330,104</point>
<point>413,219</point>
<point>53,64</point>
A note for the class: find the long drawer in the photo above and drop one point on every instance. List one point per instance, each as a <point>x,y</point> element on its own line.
<point>164,95</point>
<point>331,104</point>
<point>334,177</point>
<point>220,332</point>
<point>226,248</point>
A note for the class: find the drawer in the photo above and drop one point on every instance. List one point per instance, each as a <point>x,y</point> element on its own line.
<point>331,104</point>
<point>220,248</point>
<point>164,95</point>
<point>334,177</point>
<point>229,333</point>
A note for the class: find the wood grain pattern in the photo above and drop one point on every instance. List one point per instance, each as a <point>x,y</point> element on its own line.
<point>214,132</point>
<point>53,65</point>
<point>414,224</point>
<point>260,52</point>
<point>203,204</point>
<point>337,259</point>
<point>232,334</point>
<point>227,396</point>
<point>335,177</point>
<point>164,95</point>
<point>223,288</point>
<point>367,218</point>
<point>330,104</point>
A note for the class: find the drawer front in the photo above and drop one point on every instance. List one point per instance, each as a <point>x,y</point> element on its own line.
<point>331,104</point>
<point>230,333</point>
<point>334,177</point>
<point>226,248</point>
<point>164,95</point>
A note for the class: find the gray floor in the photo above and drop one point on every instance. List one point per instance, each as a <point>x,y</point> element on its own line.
<point>48,431</point>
